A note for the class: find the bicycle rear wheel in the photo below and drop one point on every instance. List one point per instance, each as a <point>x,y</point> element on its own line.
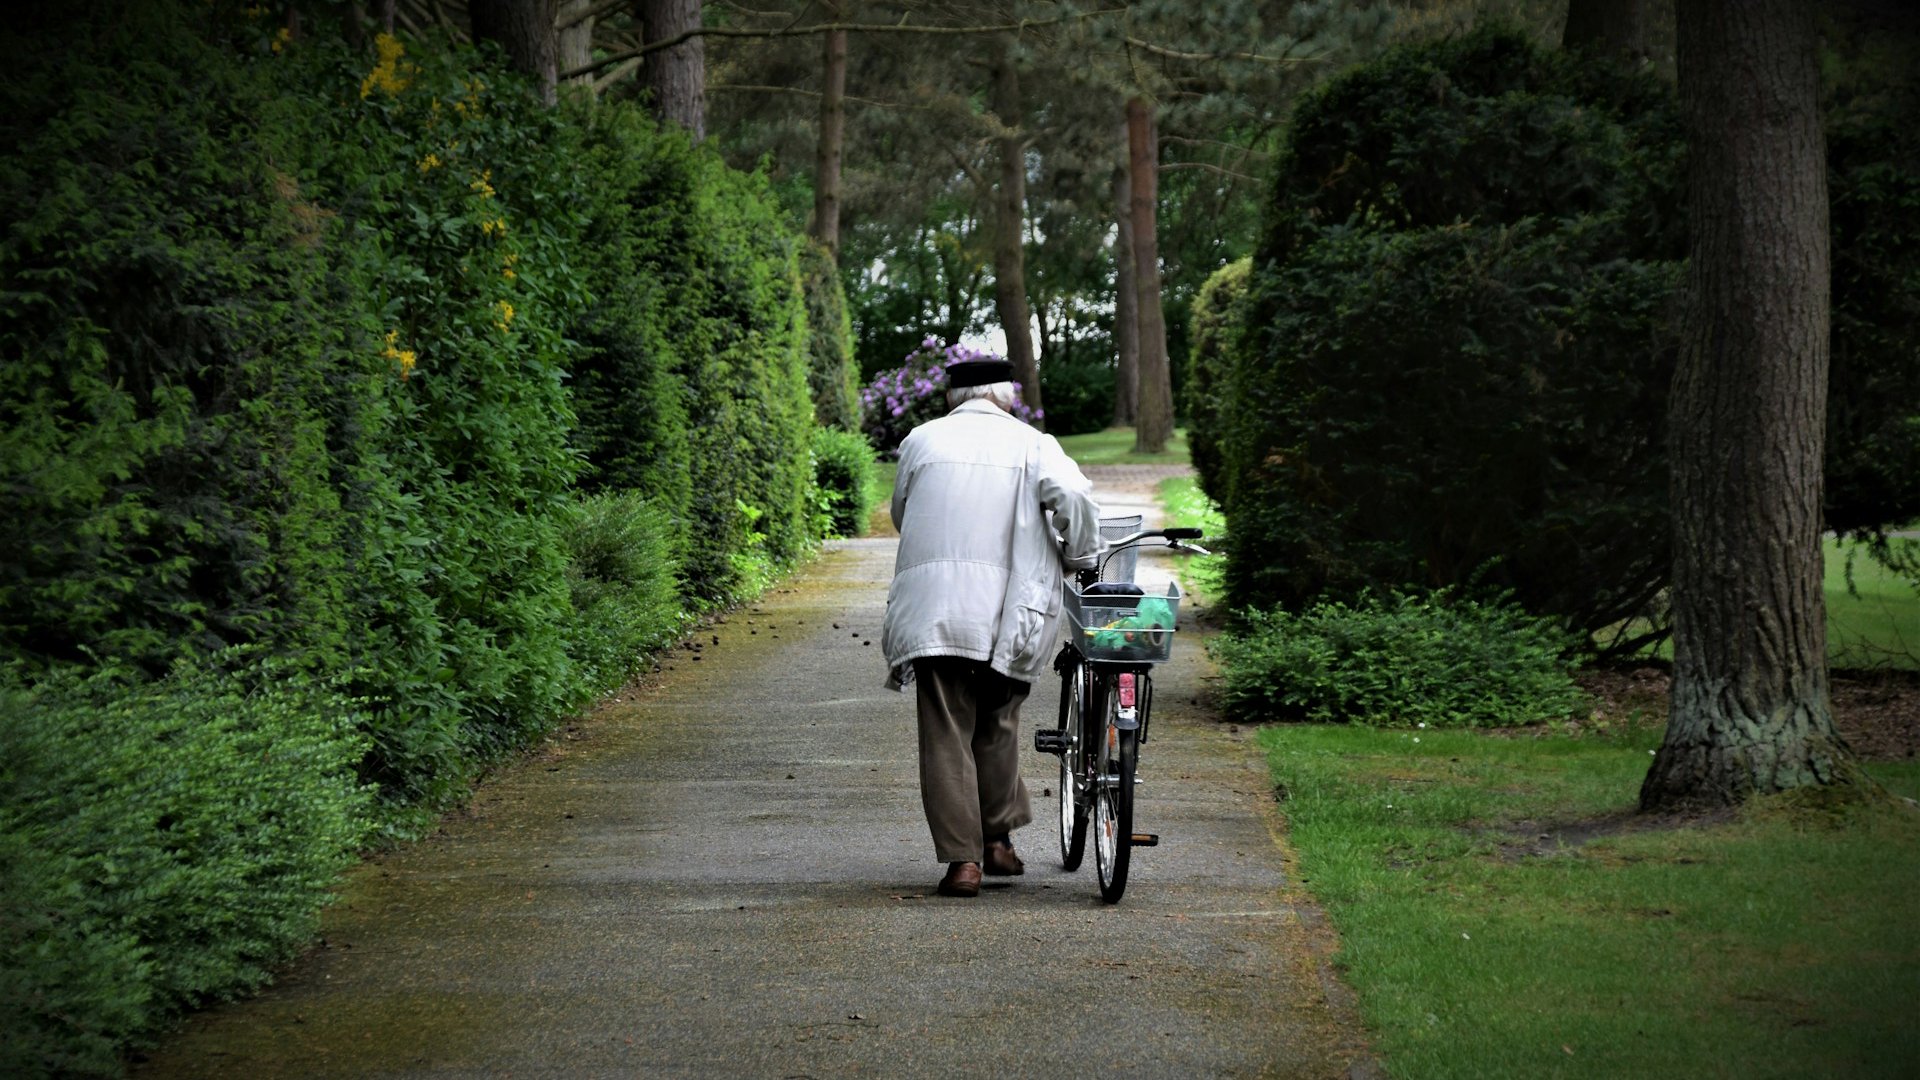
<point>1115,757</point>
<point>1075,806</point>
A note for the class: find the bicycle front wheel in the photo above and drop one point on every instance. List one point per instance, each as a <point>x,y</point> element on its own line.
<point>1116,756</point>
<point>1075,802</point>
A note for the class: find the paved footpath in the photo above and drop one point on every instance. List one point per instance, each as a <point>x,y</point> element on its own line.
<point>725,873</point>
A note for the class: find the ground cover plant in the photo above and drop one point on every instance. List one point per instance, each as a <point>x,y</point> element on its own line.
<point>1503,912</point>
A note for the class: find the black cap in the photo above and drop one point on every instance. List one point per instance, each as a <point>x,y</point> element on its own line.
<point>979,372</point>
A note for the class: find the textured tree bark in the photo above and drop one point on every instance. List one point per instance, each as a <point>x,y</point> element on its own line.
<point>832,136</point>
<point>1126,329</point>
<point>1750,711</point>
<point>525,29</point>
<point>676,78</point>
<point>1616,27</point>
<point>575,44</point>
<point>1153,419</point>
<point>1009,227</point>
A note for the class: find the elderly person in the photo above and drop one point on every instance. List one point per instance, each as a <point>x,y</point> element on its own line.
<point>974,609</point>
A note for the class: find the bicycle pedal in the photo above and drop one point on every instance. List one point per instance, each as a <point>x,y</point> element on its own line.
<point>1146,839</point>
<point>1050,742</point>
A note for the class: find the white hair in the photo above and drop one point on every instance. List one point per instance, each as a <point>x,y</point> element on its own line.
<point>1003,394</point>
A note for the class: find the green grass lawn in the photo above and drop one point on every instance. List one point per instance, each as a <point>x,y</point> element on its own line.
<point>1879,627</point>
<point>1776,944</point>
<point>1114,446</point>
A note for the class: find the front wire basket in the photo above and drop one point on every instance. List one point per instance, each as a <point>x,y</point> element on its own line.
<point>1129,629</point>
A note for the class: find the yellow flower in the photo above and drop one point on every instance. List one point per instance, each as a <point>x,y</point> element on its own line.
<point>505,321</point>
<point>429,163</point>
<point>480,185</point>
<point>494,227</point>
<point>404,357</point>
<point>506,269</point>
<point>389,75</point>
<point>280,39</point>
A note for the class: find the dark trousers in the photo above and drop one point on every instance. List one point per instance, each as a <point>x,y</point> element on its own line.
<point>969,754</point>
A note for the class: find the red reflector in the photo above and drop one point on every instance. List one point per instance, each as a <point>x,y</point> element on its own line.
<point>1126,691</point>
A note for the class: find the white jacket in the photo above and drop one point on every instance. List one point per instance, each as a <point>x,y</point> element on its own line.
<point>979,569</point>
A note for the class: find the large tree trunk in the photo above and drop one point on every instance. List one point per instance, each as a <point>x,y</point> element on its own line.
<point>1615,27</point>
<point>1126,328</point>
<point>1153,420</point>
<point>575,44</point>
<point>1750,711</point>
<point>1009,228</point>
<point>676,78</point>
<point>525,29</point>
<point>832,136</point>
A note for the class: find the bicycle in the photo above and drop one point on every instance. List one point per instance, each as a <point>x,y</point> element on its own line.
<point>1116,633</point>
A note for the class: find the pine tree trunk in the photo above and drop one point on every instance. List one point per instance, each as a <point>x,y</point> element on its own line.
<point>675,79</point>
<point>832,136</point>
<point>1750,712</point>
<point>1126,328</point>
<point>1153,419</point>
<point>525,28</point>
<point>575,44</point>
<point>1009,232</point>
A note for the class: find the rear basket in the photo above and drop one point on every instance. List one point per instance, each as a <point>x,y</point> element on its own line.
<point>1131,629</point>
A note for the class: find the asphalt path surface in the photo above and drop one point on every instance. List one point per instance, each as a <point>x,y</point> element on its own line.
<point>724,872</point>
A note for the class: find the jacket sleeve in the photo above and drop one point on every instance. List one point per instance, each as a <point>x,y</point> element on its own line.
<point>1066,491</point>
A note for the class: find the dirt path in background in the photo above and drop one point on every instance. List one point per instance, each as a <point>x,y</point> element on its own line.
<point>725,873</point>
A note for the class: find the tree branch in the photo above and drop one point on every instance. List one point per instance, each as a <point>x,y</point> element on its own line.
<point>593,12</point>
<point>757,88</point>
<point>821,28</point>
<point>1175,54</point>
<point>1172,165</point>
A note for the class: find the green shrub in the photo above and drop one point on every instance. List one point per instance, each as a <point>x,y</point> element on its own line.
<point>164,395</point>
<point>1437,660</point>
<point>161,844</point>
<point>1873,386</point>
<point>1214,326</point>
<point>625,587</point>
<point>697,298</point>
<point>843,470</point>
<point>1078,388</point>
<point>1457,340</point>
<point>831,373</point>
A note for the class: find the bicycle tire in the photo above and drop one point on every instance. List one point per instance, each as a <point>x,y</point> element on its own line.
<point>1075,809</point>
<point>1117,759</point>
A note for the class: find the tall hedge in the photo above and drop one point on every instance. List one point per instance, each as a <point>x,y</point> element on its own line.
<point>1455,353</point>
<point>290,331</point>
<point>695,388</point>
<point>831,371</point>
<point>1213,325</point>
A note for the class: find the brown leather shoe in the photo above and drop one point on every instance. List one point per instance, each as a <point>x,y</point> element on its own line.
<point>963,879</point>
<point>1001,861</point>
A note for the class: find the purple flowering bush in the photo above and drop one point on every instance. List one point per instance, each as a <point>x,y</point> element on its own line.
<point>897,401</point>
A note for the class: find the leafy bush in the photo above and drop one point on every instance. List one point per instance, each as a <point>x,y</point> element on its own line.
<point>695,391</point>
<point>1078,389</point>
<point>843,470</point>
<point>162,843</point>
<point>1213,326</point>
<point>449,216</point>
<point>1435,659</point>
<point>164,396</point>
<point>898,401</point>
<point>831,373</point>
<point>1457,341</point>
<point>625,586</point>
<point>1873,395</point>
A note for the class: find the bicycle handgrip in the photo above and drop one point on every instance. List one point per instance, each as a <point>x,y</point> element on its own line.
<point>1182,534</point>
